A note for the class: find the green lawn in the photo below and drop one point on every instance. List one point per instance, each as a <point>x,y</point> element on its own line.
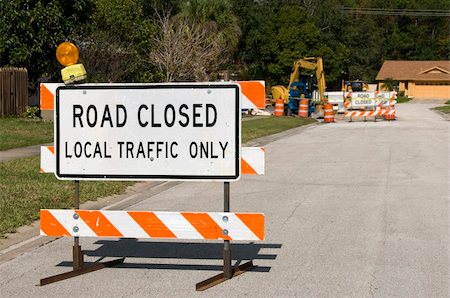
<point>444,109</point>
<point>402,99</point>
<point>20,132</point>
<point>267,126</point>
<point>24,191</point>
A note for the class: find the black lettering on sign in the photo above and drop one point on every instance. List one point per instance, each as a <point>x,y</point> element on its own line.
<point>140,150</point>
<point>196,115</point>
<point>212,108</point>
<point>77,113</point>
<point>223,148</point>
<point>141,123</point>
<point>78,149</point>
<point>172,116</point>
<point>207,149</point>
<point>182,113</point>
<point>147,150</point>
<point>87,150</point>
<point>124,115</point>
<point>91,115</point>
<point>66,150</point>
<point>154,123</point>
<point>106,117</point>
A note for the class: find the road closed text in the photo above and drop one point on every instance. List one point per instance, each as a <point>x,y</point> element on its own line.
<point>117,116</point>
<point>145,116</point>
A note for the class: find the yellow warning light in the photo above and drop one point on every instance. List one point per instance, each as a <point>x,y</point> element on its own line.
<point>67,54</point>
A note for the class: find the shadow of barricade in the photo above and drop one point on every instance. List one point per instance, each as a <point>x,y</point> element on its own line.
<point>148,250</point>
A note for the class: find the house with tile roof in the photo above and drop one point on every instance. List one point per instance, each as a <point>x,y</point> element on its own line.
<point>418,79</point>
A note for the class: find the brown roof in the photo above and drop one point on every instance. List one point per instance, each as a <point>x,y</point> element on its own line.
<point>415,70</point>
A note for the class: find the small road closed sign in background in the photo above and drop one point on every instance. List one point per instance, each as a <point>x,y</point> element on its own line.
<point>167,132</point>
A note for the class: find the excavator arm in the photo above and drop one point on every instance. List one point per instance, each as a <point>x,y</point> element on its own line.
<point>311,63</point>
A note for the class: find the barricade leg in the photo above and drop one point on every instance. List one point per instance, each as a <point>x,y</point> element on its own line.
<point>228,271</point>
<point>77,255</point>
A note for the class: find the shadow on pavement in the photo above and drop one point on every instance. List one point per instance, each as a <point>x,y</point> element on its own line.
<point>132,248</point>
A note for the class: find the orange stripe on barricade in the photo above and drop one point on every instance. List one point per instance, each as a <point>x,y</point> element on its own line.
<point>47,100</point>
<point>255,222</point>
<point>205,225</point>
<point>98,223</point>
<point>246,169</point>
<point>51,149</point>
<point>151,224</point>
<point>52,227</point>
<point>255,92</point>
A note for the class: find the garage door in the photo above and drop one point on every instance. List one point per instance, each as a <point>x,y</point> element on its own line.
<point>432,91</point>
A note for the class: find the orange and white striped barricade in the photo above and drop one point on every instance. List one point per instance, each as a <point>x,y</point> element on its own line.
<point>225,101</point>
<point>390,113</point>
<point>252,160</point>
<point>362,105</point>
<point>253,96</point>
<point>152,224</point>
<point>362,113</point>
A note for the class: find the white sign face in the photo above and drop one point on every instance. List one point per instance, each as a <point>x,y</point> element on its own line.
<point>161,132</point>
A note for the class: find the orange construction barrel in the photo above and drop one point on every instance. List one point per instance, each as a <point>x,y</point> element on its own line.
<point>303,108</point>
<point>328,113</point>
<point>279,107</point>
<point>390,115</point>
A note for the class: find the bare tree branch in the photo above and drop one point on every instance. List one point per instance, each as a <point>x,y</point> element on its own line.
<point>185,51</point>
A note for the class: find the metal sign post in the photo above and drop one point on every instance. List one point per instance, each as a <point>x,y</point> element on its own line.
<point>78,260</point>
<point>227,272</point>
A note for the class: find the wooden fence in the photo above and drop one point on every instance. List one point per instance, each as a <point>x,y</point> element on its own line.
<point>13,91</point>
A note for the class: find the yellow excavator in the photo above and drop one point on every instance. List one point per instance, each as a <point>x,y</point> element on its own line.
<point>311,63</point>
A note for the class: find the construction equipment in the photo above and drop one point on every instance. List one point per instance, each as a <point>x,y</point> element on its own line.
<point>355,86</point>
<point>302,84</point>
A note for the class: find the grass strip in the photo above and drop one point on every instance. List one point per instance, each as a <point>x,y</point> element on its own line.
<point>403,99</point>
<point>24,191</point>
<point>257,128</point>
<point>20,132</point>
<point>444,109</point>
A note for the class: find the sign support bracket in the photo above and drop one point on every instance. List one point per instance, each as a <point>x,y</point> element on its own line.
<point>78,266</point>
<point>228,271</point>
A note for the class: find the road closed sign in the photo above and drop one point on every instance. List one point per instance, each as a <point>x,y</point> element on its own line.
<point>161,132</point>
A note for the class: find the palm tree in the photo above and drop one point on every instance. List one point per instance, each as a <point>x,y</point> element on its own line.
<point>217,17</point>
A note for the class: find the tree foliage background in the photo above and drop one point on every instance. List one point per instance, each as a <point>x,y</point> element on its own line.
<point>156,41</point>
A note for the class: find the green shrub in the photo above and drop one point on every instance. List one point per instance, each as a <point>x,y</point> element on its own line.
<point>31,112</point>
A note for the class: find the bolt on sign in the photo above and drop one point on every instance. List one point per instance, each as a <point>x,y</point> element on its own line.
<point>161,131</point>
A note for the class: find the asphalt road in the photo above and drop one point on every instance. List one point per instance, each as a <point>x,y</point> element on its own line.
<point>355,209</point>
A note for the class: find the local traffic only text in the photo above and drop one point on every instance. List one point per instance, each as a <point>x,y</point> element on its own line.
<point>146,116</point>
